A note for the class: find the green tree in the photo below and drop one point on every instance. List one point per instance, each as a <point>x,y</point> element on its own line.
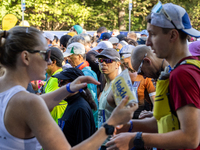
<point>91,14</point>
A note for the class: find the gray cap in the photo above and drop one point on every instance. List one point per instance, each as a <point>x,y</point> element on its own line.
<point>114,40</point>
<point>177,15</point>
<point>109,53</point>
<point>103,45</point>
<point>126,51</point>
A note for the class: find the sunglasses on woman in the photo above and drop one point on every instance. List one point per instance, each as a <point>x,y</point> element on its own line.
<point>106,60</point>
<point>46,53</point>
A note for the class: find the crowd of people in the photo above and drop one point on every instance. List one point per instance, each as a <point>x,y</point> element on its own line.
<point>57,93</point>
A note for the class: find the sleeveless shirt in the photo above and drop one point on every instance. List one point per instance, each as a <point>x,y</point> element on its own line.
<point>7,141</point>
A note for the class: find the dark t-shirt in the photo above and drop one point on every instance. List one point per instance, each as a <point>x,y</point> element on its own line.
<point>77,122</point>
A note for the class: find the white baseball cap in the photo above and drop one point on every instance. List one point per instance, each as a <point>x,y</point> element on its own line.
<point>103,45</point>
<point>74,48</point>
<point>48,35</point>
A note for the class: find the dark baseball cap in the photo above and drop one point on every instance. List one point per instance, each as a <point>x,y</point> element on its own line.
<point>109,53</point>
<point>69,74</point>
<point>56,54</point>
<point>105,36</point>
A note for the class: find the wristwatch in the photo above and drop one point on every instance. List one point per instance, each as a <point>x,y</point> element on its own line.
<point>109,129</point>
<point>138,141</point>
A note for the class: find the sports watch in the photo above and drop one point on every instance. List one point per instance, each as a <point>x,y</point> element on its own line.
<point>138,141</point>
<point>109,129</point>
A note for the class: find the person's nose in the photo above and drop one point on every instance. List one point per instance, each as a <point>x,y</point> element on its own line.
<point>148,42</point>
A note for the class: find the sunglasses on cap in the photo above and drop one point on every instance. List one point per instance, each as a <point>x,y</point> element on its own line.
<point>158,8</point>
<point>106,60</point>
<point>140,72</point>
<point>121,54</point>
<point>46,53</point>
<point>72,29</point>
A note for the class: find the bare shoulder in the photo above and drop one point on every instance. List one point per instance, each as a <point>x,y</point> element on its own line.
<point>27,102</point>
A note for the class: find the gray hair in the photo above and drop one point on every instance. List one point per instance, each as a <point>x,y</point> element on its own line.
<point>77,38</point>
<point>86,37</point>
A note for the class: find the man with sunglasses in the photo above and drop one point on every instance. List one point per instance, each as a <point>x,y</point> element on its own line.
<point>109,62</point>
<point>144,88</point>
<point>52,83</point>
<point>168,27</point>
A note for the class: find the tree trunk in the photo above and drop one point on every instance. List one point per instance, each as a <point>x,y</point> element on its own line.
<point>121,21</point>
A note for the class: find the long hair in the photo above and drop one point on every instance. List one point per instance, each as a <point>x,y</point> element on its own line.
<point>86,94</point>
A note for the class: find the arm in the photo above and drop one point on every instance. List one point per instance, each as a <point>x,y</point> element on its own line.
<point>152,98</point>
<point>95,141</point>
<point>150,89</point>
<point>43,126</point>
<point>148,125</point>
<point>53,98</point>
<point>187,137</point>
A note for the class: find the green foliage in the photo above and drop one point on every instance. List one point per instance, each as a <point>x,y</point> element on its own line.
<point>91,14</point>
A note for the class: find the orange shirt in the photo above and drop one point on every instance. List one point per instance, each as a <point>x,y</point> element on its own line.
<point>144,84</point>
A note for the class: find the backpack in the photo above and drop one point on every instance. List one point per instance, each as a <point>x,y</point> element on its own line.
<point>167,119</point>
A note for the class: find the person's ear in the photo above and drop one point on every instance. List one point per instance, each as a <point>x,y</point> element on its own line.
<point>147,61</point>
<point>174,34</point>
<point>25,57</point>
<point>118,64</point>
<point>53,62</point>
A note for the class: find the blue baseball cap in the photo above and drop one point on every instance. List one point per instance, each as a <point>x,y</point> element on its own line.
<point>126,51</point>
<point>105,36</point>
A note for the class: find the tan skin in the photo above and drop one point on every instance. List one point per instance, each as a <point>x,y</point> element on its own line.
<point>23,117</point>
<point>110,71</point>
<point>188,136</point>
<point>75,59</point>
<point>52,68</point>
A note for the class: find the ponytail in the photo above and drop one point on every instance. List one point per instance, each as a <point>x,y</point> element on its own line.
<point>86,94</point>
<point>3,36</point>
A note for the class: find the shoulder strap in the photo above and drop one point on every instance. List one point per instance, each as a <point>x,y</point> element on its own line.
<point>193,62</point>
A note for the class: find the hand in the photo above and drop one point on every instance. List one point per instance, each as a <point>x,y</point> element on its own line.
<point>81,82</point>
<point>121,113</point>
<point>122,141</point>
<point>121,128</point>
<point>145,114</point>
<point>41,83</point>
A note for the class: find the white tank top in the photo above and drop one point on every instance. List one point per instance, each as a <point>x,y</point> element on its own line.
<point>7,141</point>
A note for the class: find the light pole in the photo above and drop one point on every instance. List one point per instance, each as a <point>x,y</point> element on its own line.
<point>130,8</point>
<point>22,8</point>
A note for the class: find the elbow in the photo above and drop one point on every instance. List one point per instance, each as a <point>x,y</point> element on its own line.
<point>193,143</point>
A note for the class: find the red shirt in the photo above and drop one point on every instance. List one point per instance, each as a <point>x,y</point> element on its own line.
<point>184,86</point>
